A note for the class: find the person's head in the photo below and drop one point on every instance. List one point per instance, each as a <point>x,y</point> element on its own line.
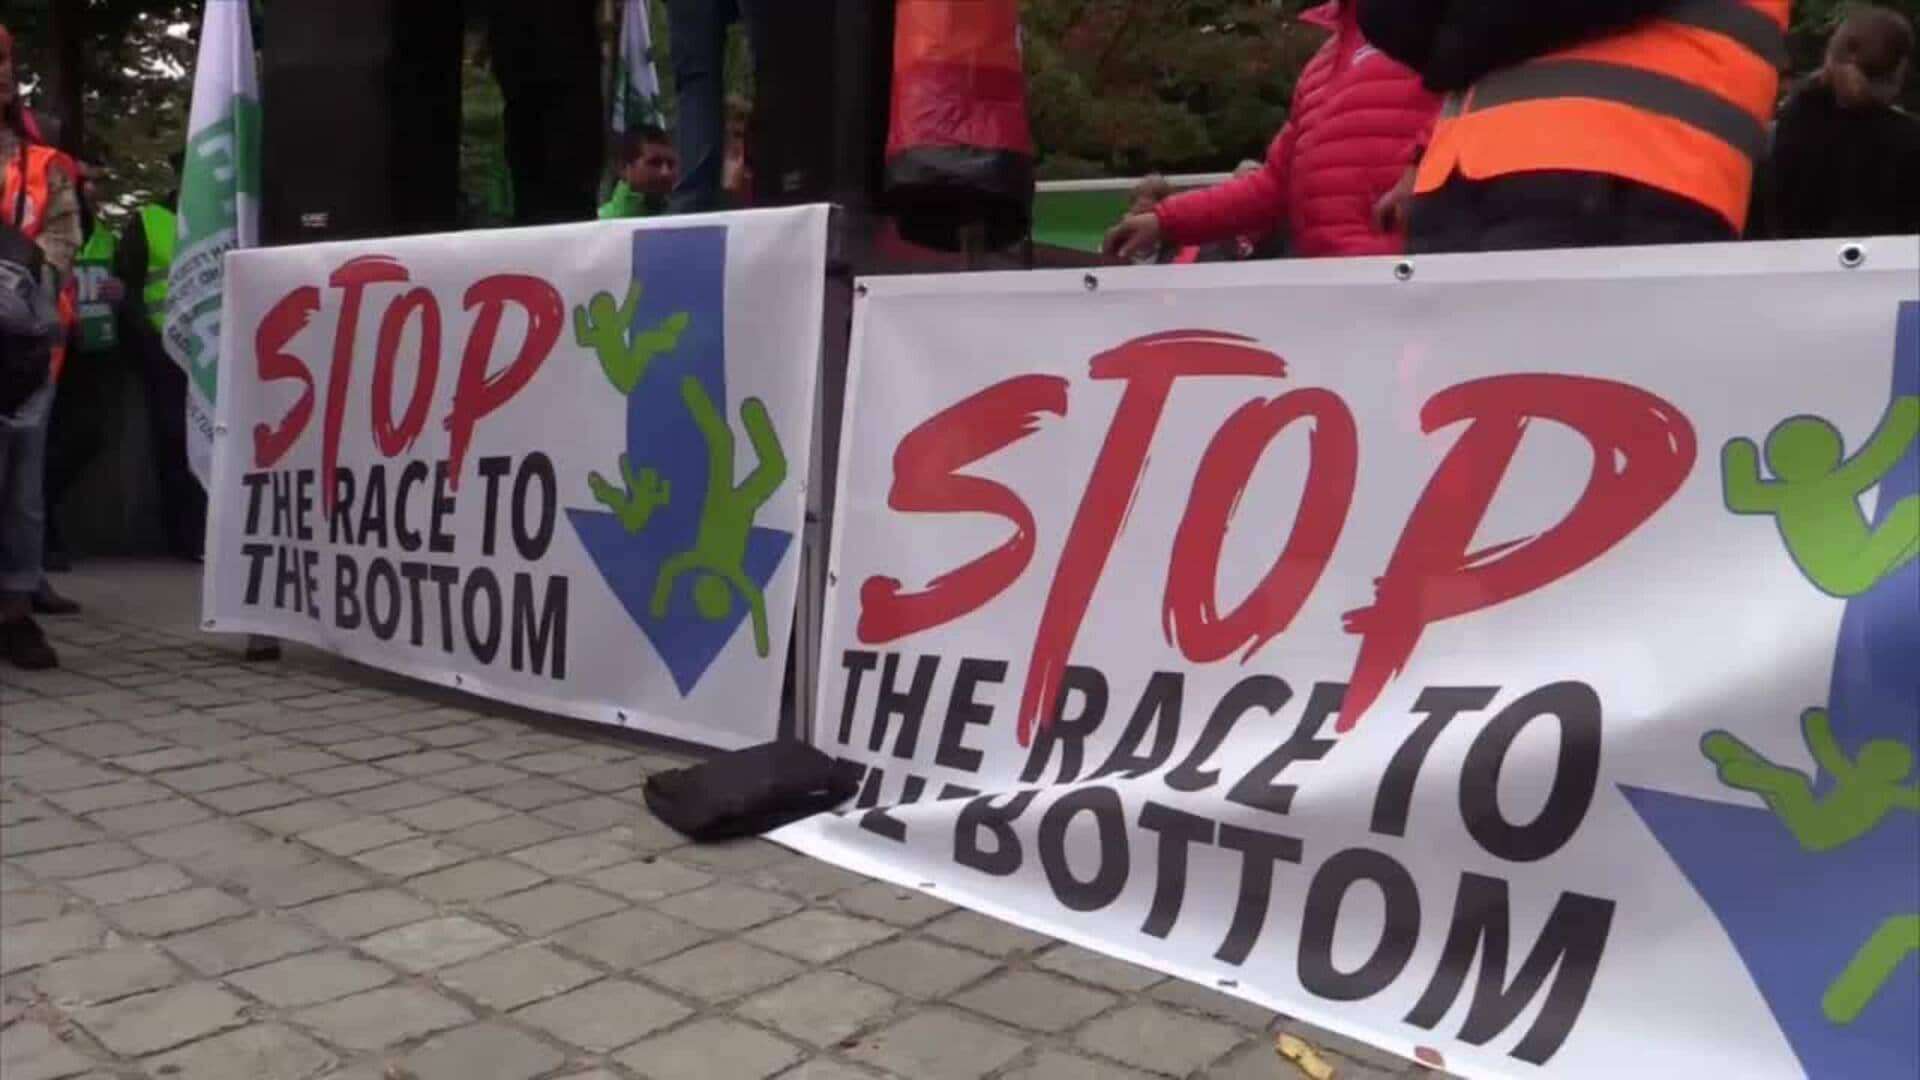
<point>648,162</point>
<point>712,597</point>
<point>1149,192</point>
<point>1867,57</point>
<point>1803,448</point>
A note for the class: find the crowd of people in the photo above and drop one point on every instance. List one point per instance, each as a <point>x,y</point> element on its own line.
<point>1417,127</point>
<point>1514,124</point>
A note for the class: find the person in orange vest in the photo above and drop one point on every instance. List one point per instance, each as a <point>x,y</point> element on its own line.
<point>38,200</point>
<point>1575,123</point>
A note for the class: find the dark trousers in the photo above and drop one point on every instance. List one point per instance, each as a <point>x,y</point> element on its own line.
<point>697,31</point>
<point>1540,210</point>
<point>77,431</point>
<point>183,505</point>
<point>546,57</point>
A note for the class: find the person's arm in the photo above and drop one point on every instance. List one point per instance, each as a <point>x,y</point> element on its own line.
<point>60,235</point>
<point>1818,729</point>
<point>1254,203</point>
<point>1743,489</point>
<point>1884,447</point>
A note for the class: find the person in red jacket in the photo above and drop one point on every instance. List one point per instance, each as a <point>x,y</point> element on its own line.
<point>1338,175</point>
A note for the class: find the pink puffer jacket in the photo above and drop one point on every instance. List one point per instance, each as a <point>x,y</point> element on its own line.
<point>1359,119</point>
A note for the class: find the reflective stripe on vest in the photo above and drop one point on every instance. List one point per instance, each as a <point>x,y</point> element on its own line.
<point>158,224</point>
<point>1678,102</point>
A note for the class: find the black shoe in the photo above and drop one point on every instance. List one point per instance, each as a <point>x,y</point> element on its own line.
<point>48,602</point>
<point>57,562</point>
<point>25,647</point>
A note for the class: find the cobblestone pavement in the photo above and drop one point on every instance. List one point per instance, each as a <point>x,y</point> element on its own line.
<point>221,871</point>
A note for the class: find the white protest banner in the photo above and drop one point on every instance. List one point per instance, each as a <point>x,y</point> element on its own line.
<point>219,210</point>
<point>1508,661</point>
<point>559,467</point>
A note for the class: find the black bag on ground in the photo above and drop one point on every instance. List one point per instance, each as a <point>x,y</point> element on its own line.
<point>752,791</point>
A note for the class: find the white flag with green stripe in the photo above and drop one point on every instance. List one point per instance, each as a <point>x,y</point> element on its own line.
<point>636,85</point>
<point>219,209</point>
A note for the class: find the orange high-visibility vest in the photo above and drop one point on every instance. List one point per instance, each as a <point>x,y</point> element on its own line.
<point>1679,102</point>
<point>32,168</point>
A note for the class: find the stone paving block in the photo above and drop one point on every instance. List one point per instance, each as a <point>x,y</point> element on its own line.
<point>983,933</point>
<point>57,779</point>
<point>46,835</point>
<point>244,865</point>
<point>175,912</point>
<point>543,910</point>
<point>574,855</point>
<point>730,856</point>
<point>711,1050</point>
<point>28,1051</point>
<point>552,762</point>
<point>300,817</point>
<point>1028,999</point>
<point>83,861</point>
<point>434,943</point>
<point>361,834</point>
<point>531,793</point>
<point>493,1051</point>
<point>342,779</point>
<point>224,774</point>
<point>250,797</point>
<point>649,878</point>
<point>30,905</point>
<point>505,834</point>
<point>822,1008</point>
<point>375,748</point>
<point>604,1016</point>
<point>362,913</point>
<point>1363,1053</point>
<point>727,907</point>
<point>106,740</point>
<point>411,858</point>
<point>36,943</point>
<point>918,968</point>
<point>615,776</point>
<point>1158,1039</point>
<point>807,879</point>
<point>196,839</point>
<point>1092,967</point>
<point>150,1023</point>
<point>289,886</point>
<point>481,879</point>
<point>590,814</point>
<point>293,761</point>
<point>310,979</point>
<point>819,936</point>
<point>893,903</point>
<point>243,943</point>
<point>380,1018</point>
<point>938,1045</point>
<point>90,800</point>
<point>97,977</point>
<point>516,977</point>
<point>389,798</point>
<point>477,777</point>
<point>825,1069</point>
<point>630,940</point>
<point>449,814</point>
<point>1201,999</point>
<point>153,879</point>
<point>722,971</point>
<point>150,817</point>
<point>450,735</point>
<point>425,762</point>
<point>331,735</point>
<point>260,1052</point>
<point>173,757</point>
<point>1053,1065</point>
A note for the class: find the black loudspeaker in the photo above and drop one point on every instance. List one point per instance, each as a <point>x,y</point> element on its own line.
<point>360,103</point>
<point>820,102</point>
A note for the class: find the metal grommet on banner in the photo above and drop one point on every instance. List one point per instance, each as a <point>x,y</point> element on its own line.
<point>206,624</point>
<point>458,681</point>
<point>1853,256</point>
<point>1403,270</point>
<point>219,429</point>
<point>860,289</point>
<point>621,714</point>
<point>1091,282</point>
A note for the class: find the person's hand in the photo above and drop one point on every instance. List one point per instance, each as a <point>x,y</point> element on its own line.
<point>1137,234</point>
<point>1390,212</point>
<point>112,291</point>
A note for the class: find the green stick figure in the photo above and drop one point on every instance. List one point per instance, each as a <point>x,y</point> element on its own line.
<point>1816,497</point>
<point>604,328</point>
<point>719,549</point>
<point>1865,790</point>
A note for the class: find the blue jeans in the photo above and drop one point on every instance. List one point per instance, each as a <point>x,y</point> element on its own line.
<point>23,516</point>
<point>697,37</point>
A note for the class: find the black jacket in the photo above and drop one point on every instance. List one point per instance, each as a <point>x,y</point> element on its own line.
<point>1452,43</point>
<point>1838,172</point>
